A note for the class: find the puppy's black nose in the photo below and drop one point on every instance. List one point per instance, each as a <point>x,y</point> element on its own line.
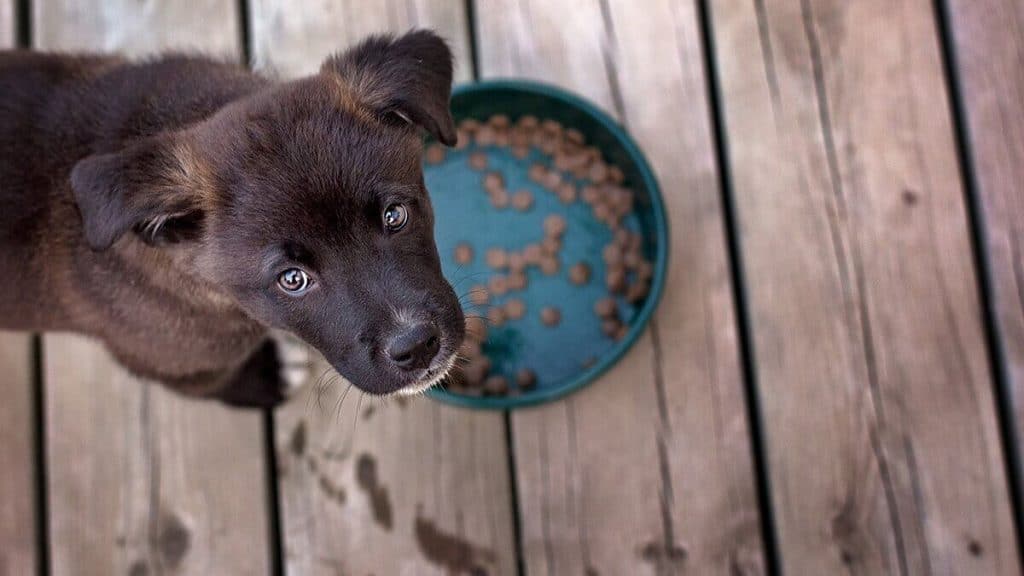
<point>414,348</point>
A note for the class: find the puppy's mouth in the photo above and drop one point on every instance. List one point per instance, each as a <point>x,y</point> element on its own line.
<point>431,377</point>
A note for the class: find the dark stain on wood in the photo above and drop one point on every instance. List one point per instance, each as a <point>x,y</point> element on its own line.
<point>909,197</point>
<point>334,491</point>
<point>297,443</point>
<point>974,547</point>
<point>173,540</point>
<point>591,571</point>
<point>380,502</point>
<point>138,568</point>
<point>666,558</point>
<point>454,554</point>
<point>368,412</point>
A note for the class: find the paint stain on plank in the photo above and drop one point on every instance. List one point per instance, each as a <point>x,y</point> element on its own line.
<point>380,502</point>
<point>454,554</point>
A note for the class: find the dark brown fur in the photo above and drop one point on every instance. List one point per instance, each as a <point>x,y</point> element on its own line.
<point>153,204</point>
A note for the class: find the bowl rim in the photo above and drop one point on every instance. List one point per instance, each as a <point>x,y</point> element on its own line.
<point>662,246</point>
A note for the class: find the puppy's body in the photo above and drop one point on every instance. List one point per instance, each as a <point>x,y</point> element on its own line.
<point>159,306</point>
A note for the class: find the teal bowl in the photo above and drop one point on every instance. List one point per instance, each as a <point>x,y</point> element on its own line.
<point>575,352</point>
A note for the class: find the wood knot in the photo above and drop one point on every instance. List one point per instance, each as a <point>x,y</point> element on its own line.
<point>173,539</point>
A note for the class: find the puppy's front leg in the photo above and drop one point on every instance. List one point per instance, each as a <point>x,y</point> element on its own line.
<point>269,376</point>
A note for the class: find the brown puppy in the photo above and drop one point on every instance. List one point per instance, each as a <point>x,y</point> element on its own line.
<point>178,208</point>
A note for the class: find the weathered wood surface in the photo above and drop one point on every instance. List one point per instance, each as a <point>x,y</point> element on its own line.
<point>988,39</point>
<point>881,437</point>
<point>17,459</point>
<point>140,479</point>
<point>647,471</point>
<point>410,487</point>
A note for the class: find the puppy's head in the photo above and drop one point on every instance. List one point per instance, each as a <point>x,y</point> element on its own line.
<point>306,204</point>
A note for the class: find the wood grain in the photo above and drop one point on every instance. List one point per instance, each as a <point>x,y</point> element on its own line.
<point>17,457</point>
<point>410,487</point>
<point>878,410</point>
<point>141,480</point>
<point>988,37</point>
<point>648,470</point>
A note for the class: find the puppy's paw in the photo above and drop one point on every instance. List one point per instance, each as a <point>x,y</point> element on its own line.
<point>296,361</point>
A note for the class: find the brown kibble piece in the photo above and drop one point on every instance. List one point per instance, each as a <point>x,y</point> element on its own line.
<point>610,327</point>
<point>496,316</point>
<point>533,253</point>
<point>566,192</point>
<point>549,265</point>
<point>434,154</point>
<point>606,307</point>
<point>497,258</point>
<point>478,160</point>
<point>612,254</point>
<point>463,253</point>
<point>498,285</point>
<point>554,225</point>
<point>496,384</point>
<point>575,136</point>
<point>598,172</point>
<point>500,199</point>
<point>621,332</point>
<point>517,280</point>
<point>520,152</point>
<point>551,245</point>
<point>637,291</point>
<point>550,316</point>
<point>615,175</point>
<point>528,121</point>
<point>615,279</point>
<point>470,348</point>
<point>485,136</point>
<point>469,125</point>
<point>462,138</point>
<point>476,328</point>
<point>494,181</point>
<point>579,274</point>
<point>526,379</point>
<point>476,370</point>
<point>590,194</point>
<point>515,309</point>
<point>645,270</point>
<point>552,180</point>
<point>479,295</point>
<point>537,172</point>
<point>500,121</point>
<point>516,261</point>
<point>522,200</point>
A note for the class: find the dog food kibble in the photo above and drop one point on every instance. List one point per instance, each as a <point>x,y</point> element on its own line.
<point>550,316</point>
<point>498,285</point>
<point>579,274</point>
<point>497,258</point>
<point>478,295</point>
<point>615,279</point>
<point>526,379</point>
<point>517,280</point>
<point>463,253</point>
<point>515,309</point>
<point>605,307</point>
<point>500,199</point>
<point>554,225</point>
<point>496,316</point>
<point>549,265</point>
<point>567,193</point>
<point>496,384</point>
<point>434,154</point>
<point>567,170</point>
<point>478,160</point>
<point>522,200</point>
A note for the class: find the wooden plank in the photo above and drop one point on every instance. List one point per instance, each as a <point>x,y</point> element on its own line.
<point>141,480</point>
<point>647,471</point>
<point>988,37</point>
<point>411,487</point>
<point>17,458</point>
<point>882,441</point>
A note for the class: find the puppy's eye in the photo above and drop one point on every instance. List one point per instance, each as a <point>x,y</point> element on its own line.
<point>395,216</point>
<point>294,281</point>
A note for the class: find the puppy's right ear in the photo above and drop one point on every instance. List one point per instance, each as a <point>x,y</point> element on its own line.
<point>143,185</point>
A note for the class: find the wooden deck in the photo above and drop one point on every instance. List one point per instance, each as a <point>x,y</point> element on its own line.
<point>834,382</point>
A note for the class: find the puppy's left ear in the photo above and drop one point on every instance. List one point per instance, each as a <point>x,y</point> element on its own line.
<point>408,77</point>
